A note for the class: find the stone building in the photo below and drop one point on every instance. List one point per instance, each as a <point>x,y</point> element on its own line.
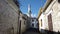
<point>49,16</point>
<point>9,13</point>
<point>24,22</point>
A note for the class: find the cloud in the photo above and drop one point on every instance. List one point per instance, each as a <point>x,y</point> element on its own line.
<point>33,15</point>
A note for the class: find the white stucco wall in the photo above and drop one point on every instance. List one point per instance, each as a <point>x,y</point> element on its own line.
<point>54,9</point>
<point>43,22</point>
<point>56,17</point>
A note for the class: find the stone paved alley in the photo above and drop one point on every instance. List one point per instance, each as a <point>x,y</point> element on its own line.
<point>31,31</point>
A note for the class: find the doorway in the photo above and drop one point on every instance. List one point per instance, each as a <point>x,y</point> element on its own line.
<point>50,25</point>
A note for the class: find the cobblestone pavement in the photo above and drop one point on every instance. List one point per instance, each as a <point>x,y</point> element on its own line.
<point>31,31</point>
<point>36,31</point>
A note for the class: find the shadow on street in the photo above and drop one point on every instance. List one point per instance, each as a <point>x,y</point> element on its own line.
<point>31,31</point>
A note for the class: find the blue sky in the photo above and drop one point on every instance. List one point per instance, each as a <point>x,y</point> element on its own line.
<point>35,6</point>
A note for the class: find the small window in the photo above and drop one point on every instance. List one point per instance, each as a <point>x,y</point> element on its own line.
<point>41,22</point>
<point>24,22</point>
<point>58,1</point>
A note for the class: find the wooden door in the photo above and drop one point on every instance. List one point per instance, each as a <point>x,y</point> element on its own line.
<point>50,22</point>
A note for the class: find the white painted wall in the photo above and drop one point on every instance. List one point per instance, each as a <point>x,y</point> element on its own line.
<point>54,9</point>
<point>56,17</point>
<point>43,23</point>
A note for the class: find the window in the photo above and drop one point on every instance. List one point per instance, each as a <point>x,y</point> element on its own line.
<point>24,22</point>
<point>41,22</point>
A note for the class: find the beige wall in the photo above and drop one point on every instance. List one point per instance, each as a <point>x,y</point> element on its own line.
<point>23,22</point>
<point>8,18</point>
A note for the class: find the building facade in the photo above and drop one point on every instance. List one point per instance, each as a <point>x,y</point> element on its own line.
<point>34,22</point>
<point>24,22</point>
<point>9,13</point>
<point>49,17</point>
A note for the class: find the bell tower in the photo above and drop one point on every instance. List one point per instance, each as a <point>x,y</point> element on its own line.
<point>29,10</point>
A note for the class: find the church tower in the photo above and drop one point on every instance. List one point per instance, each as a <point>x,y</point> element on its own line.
<point>29,10</point>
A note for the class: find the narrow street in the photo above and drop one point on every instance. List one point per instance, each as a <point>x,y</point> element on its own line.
<point>29,16</point>
<point>31,31</point>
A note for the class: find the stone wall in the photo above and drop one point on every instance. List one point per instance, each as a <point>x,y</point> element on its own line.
<point>8,18</point>
<point>23,22</point>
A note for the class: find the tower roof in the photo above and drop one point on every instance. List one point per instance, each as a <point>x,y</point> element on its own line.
<point>29,10</point>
